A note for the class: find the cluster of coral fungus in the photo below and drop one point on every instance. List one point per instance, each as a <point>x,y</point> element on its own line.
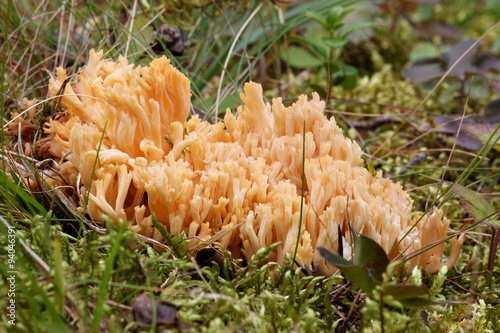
<point>241,177</point>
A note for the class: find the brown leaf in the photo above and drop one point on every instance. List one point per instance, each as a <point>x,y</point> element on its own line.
<point>437,28</point>
<point>401,7</point>
<point>166,313</point>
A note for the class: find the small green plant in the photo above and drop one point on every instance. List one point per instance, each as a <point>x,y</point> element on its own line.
<point>323,48</point>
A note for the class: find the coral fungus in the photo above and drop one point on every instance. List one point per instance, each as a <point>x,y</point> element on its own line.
<point>242,176</point>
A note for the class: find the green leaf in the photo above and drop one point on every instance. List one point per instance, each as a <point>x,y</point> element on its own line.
<point>355,27</point>
<point>409,296</point>
<point>359,275</point>
<point>314,38</point>
<point>473,204</point>
<point>334,43</point>
<point>368,253</point>
<point>405,292</point>
<point>351,76</point>
<point>369,263</point>
<point>334,16</point>
<point>417,302</point>
<point>424,51</point>
<point>299,57</point>
<point>318,18</point>
<point>337,77</point>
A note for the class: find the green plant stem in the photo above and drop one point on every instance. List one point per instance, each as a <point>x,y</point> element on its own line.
<point>302,194</point>
<point>329,78</point>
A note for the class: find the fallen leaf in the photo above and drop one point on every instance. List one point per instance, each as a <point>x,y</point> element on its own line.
<point>166,313</point>
<point>465,66</point>
<point>436,28</point>
<point>483,132</point>
<point>402,7</point>
<point>450,125</point>
<point>424,70</point>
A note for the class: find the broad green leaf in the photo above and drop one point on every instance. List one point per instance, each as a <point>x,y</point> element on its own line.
<point>334,43</point>
<point>424,51</point>
<point>369,263</point>
<point>313,42</point>
<point>338,77</point>
<point>368,253</point>
<point>482,132</point>
<point>318,18</point>
<point>299,57</point>
<point>334,16</point>
<point>355,27</point>
<point>359,275</point>
<point>473,204</point>
<point>351,76</point>
<point>417,302</point>
<point>314,38</point>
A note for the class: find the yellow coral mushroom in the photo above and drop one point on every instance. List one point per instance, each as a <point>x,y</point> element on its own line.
<point>242,177</point>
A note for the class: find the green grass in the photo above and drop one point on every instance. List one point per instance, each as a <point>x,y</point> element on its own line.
<point>74,275</point>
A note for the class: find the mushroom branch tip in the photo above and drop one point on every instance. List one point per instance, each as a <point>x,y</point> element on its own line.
<point>241,177</point>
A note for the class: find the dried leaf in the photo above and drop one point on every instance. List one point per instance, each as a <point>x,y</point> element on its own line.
<point>450,126</point>
<point>166,313</point>
<point>437,28</point>
<point>482,132</point>
<point>402,7</point>
<point>421,71</point>
<point>465,66</point>
<point>427,69</point>
<point>488,62</point>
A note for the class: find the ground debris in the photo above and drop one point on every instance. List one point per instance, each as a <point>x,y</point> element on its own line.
<point>166,313</point>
